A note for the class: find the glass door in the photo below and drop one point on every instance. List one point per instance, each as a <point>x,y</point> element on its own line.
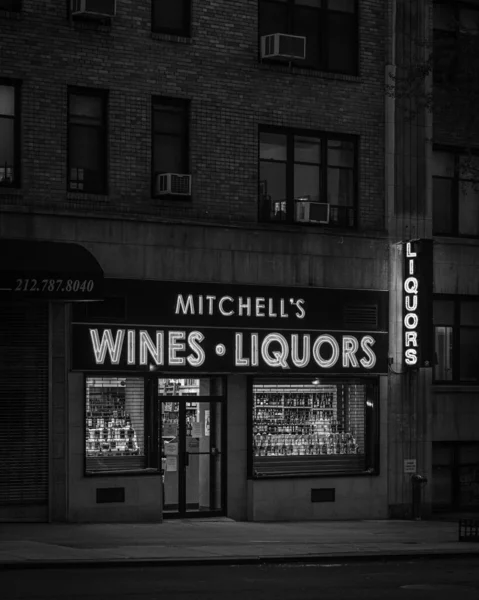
<point>191,433</point>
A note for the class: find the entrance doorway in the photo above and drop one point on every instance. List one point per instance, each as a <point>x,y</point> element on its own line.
<point>191,421</point>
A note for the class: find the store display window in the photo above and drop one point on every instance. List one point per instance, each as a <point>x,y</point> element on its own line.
<point>115,424</point>
<point>313,427</point>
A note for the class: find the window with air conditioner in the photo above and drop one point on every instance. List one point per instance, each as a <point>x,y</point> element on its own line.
<point>87,140</point>
<point>170,155</point>
<point>171,16</point>
<point>329,26</point>
<point>9,133</point>
<point>307,177</point>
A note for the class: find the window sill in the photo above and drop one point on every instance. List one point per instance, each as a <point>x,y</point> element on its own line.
<point>103,26</point>
<point>314,475</point>
<point>294,70</point>
<point>456,239</point>
<point>15,15</point>
<point>91,197</point>
<point>136,473</point>
<point>169,37</point>
<point>172,199</point>
<point>447,388</point>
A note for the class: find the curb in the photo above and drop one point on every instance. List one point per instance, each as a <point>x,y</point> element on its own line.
<point>235,560</point>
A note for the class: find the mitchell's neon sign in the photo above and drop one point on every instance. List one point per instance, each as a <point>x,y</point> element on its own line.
<point>411,303</point>
<point>180,348</point>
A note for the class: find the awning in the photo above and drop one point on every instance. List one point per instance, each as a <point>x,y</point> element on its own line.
<point>49,270</point>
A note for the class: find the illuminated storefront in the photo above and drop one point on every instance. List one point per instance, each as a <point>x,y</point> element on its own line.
<point>165,373</point>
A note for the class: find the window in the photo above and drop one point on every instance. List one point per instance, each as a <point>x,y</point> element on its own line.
<point>115,424</point>
<point>87,141</point>
<point>307,178</point>
<point>171,16</point>
<point>455,194</point>
<point>170,136</point>
<point>330,28</point>
<point>455,40</point>
<point>9,134</point>
<point>305,428</point>
<point>456,340</point>
<point>11,5</point>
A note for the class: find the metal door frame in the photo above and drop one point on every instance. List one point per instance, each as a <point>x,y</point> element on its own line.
<point>183,511</point>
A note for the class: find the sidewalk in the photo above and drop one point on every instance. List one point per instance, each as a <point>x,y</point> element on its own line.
<point>223,540</point>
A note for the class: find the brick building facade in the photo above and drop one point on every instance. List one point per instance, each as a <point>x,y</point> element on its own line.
<point>205,64</point>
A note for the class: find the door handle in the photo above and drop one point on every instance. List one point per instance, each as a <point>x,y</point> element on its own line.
<point>187,459</point>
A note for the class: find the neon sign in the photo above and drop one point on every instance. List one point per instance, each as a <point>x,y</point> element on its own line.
<point>227,350</point>
<point>411,301</point>
<point>417,293</point>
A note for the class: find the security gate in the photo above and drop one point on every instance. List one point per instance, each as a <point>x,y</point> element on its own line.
<point>23,407</point>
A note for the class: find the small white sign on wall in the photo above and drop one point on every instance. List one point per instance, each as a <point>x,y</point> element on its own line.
<point>410,466</point>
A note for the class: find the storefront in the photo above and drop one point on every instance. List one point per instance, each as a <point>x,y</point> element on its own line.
<point>208,399</point>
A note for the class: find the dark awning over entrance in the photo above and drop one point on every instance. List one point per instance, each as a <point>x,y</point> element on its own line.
<point>49,270</point>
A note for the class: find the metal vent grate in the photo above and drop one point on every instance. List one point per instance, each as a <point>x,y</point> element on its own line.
<point>361,316</point>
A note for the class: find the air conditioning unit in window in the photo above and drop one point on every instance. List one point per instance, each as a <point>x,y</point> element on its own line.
<point>172,183</point>
<point>311,212</point>
<point>99,9</point>
<point>282,45</point>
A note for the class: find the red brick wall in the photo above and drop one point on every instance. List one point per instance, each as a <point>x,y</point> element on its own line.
<point>230,92</point>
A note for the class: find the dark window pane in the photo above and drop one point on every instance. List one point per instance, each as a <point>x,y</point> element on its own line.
<point>169,120</point>
<point>444,57</point>
<point>469,21</point>
<point>444,19</point>
<point>273,17</point>
<point>443,164</point>
<point>470,313</point>
<point>314,3</point>
<point>85,147</point>
<point>469,208</point>
<point>7,100</point>
<point>340,154</point>
<point>442,218</point>
<point>6,142</point>
<point>169,155</point>
<point>342,45</point>
<point>342,5</point>
<point>86,108</point>
<point>307,149</point>
<point>306,22</point>
<point>272,146</point>
<point>306,182</point>
<point>340,187</point>
<point>469,353</point>
<point>443,348</point>
<point>13,5</point>
<point>272,191</point>
<point>169,14</point>
<point>443,312</point>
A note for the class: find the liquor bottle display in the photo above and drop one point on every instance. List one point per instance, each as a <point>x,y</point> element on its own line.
<point>109,428</point>
<point>304,420</point>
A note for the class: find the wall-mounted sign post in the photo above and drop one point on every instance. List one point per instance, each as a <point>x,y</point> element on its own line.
<point>417,304</point>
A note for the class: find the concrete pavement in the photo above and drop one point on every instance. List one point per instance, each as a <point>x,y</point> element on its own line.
<point>200,541</point>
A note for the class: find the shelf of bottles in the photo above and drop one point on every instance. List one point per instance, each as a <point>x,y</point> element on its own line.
<point>111,417</point>
<point>170,416</point>
<point>300,421</point>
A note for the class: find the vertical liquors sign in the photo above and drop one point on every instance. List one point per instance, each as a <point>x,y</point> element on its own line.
<point>417,304</point>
